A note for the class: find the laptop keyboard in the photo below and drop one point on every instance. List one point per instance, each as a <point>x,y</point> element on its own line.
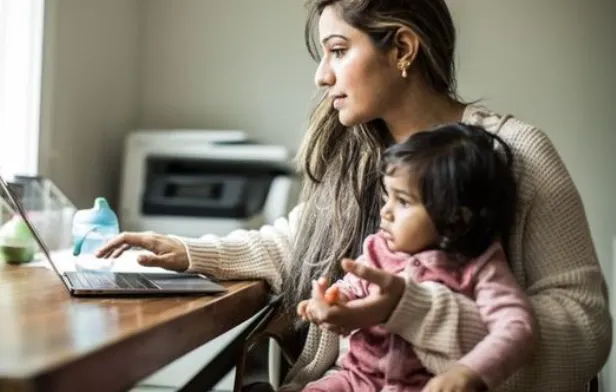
<point>102,280</point>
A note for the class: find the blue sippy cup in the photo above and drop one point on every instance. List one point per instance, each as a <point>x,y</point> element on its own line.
<point>93,228</point>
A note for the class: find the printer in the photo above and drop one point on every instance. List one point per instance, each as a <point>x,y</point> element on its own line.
<point>195,182</point>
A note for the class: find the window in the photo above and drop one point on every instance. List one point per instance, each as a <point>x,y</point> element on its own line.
<point>21,33</point>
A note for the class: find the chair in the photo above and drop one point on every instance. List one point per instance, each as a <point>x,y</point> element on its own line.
<point>268,324</point>
<point>593,385</point>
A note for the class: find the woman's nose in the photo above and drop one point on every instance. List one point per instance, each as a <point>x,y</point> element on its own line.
<point>324,77</point>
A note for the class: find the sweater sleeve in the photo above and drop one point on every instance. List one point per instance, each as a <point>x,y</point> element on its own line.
<point>507,314</point>
<point>246,254</point>
<point>564,283</point>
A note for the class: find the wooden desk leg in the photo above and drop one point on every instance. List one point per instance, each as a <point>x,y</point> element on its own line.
<point>232,355</point>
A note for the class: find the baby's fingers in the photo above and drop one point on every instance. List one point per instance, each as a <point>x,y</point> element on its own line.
<point>313,312</point>
<point>301,309</point>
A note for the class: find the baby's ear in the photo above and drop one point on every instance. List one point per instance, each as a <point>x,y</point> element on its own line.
<point>466,214</point>
<point>462,215</point>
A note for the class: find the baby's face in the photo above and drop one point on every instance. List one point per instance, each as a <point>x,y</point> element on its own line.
<point>404,219</point>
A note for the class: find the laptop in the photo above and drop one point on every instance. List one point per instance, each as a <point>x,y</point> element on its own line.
<point>86,283</point>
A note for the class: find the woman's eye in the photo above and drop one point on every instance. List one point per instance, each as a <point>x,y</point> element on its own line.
<point>338,52</point>
<point>403,203</point>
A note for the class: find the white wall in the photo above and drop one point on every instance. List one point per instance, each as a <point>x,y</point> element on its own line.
<point>90,87</point>
<point>232,64</point>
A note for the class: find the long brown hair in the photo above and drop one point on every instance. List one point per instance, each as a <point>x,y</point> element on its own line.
<point>341,192</point>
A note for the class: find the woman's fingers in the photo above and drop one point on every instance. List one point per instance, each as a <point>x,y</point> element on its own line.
<point>383,279</point>
<point>127,239</point>
<point>166,252</point>
<point>166,261</point>
<point>118,251</point>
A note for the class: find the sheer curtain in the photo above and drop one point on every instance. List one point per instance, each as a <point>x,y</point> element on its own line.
<point>21,42</point>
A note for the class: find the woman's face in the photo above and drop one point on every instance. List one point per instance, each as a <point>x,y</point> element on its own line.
<point>361,80</point>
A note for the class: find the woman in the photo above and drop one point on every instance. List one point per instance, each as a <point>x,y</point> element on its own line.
<point>387,71</point>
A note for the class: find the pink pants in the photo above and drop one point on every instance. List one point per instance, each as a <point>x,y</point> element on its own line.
<point>350,381</point>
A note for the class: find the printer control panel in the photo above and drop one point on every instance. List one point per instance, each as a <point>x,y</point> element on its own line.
<point>205,188</point>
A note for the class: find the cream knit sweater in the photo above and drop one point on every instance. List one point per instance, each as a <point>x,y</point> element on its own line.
<point>552,257</point>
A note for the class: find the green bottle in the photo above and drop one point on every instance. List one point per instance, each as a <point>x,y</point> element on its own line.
<point>17,245</point>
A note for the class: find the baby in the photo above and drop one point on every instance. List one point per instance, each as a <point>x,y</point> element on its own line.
<point>448,206</point>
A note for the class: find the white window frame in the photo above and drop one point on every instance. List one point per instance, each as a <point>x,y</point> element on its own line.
<point>21,55</point>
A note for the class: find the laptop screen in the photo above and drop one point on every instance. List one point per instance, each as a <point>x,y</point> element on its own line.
<point>16,204</point>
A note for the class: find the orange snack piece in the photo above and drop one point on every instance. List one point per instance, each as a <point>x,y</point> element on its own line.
<point>332,294</point>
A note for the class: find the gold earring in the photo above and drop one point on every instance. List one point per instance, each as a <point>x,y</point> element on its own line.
<point>403,66</point>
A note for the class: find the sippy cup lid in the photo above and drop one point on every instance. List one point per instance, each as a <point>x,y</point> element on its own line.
<point>99,215</point>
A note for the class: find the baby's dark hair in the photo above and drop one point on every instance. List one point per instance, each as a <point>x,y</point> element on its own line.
<point>464,177</point>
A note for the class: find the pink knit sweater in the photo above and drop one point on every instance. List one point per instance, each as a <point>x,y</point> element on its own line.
<point>552,258</point>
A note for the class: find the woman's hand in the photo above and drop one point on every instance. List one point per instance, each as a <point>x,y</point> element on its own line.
<point>167,252</point>
<point>359,313</point>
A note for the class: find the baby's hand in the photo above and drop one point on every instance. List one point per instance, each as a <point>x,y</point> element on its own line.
<point>332,295</point>
<point>457,379</point>
<point>335,296</point>
<point>302,310</point>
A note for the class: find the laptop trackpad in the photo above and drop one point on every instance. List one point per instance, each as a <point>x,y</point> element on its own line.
<point>188,282</point>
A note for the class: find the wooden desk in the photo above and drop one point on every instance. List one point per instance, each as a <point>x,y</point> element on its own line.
<point>52,342</point>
